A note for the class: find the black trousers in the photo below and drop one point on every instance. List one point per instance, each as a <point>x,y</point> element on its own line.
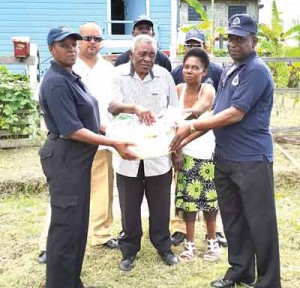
<point>67,166</point>
<point>131,193</point>
<point>246,200</point>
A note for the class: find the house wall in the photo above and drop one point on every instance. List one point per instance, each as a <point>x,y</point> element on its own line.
<point>160,13</point>
<point>34,18</point>
<point>221,10</point>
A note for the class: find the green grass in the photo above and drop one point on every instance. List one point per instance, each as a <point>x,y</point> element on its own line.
<point>22,212</point>
<point>22,218</point>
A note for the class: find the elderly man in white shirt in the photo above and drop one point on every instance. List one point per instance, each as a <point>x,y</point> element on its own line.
<point>142,88</point>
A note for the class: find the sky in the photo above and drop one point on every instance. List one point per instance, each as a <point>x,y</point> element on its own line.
<point>289,9</point>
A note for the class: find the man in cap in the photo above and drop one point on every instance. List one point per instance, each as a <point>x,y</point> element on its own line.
<point>244,160</point>
<point>196,39</point>
<point>144,25</point>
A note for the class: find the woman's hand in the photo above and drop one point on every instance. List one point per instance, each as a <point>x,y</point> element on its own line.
<point>193,113</point>
<point>125,153</point>
<point>177,159</point>
<point>145,115</point>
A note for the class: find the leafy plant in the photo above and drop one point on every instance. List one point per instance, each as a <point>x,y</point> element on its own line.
<point>273,38</point>
<point>18,111</point>
<point>207,25</point>
<point>273,41</point>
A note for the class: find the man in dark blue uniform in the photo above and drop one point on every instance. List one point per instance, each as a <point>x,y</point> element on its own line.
<point>196,38</point>
<point>144,25</point>
<point>71,115</point>
<point>244,160</point>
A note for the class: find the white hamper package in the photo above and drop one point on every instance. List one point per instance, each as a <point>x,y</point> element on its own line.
<point>151,141</point>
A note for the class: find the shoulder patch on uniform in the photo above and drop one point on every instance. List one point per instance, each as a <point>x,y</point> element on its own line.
<point>209,81</point>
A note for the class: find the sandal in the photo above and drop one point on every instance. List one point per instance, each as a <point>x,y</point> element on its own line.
<point>189,252</point>
<point>213,250</point>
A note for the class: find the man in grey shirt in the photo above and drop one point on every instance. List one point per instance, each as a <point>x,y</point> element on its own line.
<point>142,88</point>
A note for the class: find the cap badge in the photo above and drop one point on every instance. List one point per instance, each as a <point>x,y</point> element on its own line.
<point>236,21</point>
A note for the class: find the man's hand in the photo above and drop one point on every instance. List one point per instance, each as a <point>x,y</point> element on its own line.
<point>181,133</point>
<point>145,115</point>
<point>125,153</point>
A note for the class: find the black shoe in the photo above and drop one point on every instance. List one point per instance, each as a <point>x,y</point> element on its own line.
<point>42,259</point>
<point>127,264</point>
<point>111,244</point>
<point>177,238</point>
<point>169,258</point>
<point>221,239</point>
<point>223,283</point>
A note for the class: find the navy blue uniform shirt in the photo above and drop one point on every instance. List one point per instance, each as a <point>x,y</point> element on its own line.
<point>66,103</point>
<point>212,77</point>
<point>249,87</point>
<point>161,59</point>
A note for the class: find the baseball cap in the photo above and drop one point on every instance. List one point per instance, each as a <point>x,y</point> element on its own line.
<point>142,19</point>
<point>241,25</point>
<point>60,33</point>
<point>196,35</point>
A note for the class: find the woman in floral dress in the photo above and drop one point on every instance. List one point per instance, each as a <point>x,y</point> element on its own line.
<point>195,188</point>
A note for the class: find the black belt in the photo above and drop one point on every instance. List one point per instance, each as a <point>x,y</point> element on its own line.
<point>53,136</point>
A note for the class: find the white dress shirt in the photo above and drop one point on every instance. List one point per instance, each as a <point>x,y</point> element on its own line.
<point>98,80</point>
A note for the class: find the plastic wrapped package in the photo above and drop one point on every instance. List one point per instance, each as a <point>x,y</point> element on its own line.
<point>151,141</point>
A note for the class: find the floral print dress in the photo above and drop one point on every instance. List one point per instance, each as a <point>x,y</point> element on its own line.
<point>195,189</point>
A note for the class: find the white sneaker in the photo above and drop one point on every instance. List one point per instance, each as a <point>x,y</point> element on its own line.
<point>213,250</point>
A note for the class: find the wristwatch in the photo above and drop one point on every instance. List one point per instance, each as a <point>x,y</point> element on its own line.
<point>192,128</point>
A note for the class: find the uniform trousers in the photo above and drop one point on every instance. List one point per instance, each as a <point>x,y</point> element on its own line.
<point>101,216</point>
<point>101,213</point>
<point>131,193</point>
<point>67,166</point>
<point>246,200</point>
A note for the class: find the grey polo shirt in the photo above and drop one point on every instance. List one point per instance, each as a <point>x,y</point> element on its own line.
<point>156,92</point>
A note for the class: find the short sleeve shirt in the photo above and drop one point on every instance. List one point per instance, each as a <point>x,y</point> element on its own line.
<point>248,87</point>
<point>66,103</point>
<point>212,77</point>
<point>156,92</point>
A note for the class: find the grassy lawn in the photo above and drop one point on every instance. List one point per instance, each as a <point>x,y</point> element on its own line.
<point>22,217</point>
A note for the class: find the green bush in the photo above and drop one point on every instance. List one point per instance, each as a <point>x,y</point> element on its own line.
<point>18,111</point>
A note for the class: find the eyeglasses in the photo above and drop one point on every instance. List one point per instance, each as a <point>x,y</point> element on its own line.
<point>90,38</point>
<point>193,45</point>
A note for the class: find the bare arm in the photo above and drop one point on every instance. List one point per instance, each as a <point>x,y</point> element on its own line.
<point>224,118</point>
<point>87,136</point>
<point>204,103</point>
